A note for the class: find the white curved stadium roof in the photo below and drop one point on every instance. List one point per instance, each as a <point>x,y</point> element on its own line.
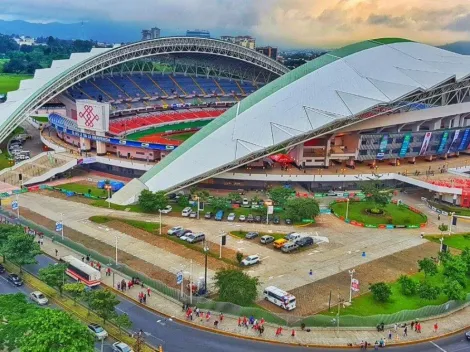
<point>334,87</point>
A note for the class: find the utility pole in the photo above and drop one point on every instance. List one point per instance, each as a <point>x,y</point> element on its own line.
<point>450,222</point>
<point>351,273</point>
<point>206,249</point>
<point>160,227</point>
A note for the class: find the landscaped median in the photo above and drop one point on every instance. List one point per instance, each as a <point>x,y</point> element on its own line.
<point>78,310</point>
<point>365,213</point>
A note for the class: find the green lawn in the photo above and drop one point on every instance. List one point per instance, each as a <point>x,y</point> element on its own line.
<point>10,82</point>
<point>79,188</point>
<point>42,119</point>
<point>455,241</point>
<point>176,127</point>
<point>241,234</point>
<point>396,215</point>
<point>366,305</point>
<point>180,136</point>
<point>5,161</point>
<point>152,227</point>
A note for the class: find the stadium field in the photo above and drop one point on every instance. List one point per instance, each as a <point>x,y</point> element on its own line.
<point>10,82</point>
<point>180,136</point>
<point>157,130</point>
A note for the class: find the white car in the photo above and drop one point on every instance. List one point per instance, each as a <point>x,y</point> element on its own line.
<point>167,209</point>
<point>98,331</point>
<point>121,347</point>
<point>174,230</point>
<point>186,236</point>
<point>245,202</point>
<point>186,211</point>
<point>242,218</point>
<point>251,260</point>
<point>193,214</point>
<point>231,217</point>
<point>38,297</point>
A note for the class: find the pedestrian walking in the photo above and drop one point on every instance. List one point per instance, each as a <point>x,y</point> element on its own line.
<point>87,257</point>
<point>416,325</point>
<point>99,266</point>
<point>435,327</point>
<point>145,298</point>
<point>405,331</point>
<point>365,345</point>
<point>221,316</point>
<point>419,328</point>
<point>376,345</point>
<point>395,327</point>
<point>119,286</point>
<point>262,321</point>
<point>56,252</point>
<point>108,271</point>
<point>83,259</point>
<point>412,325</point>
<point>197,312</point>
<point>277,332</point>
<point>42,241</point>
<point>389,334</point>
<point>362,345</point>
<point>239,321</point>
<point>292,333</point>
<point>148,291</point>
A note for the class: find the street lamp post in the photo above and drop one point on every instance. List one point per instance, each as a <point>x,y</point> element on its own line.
<point>440,250</point>
<point>198,204</point>
<point>206,249</point>
<point>116,250</point>
<point>62,223</point>
<point>347,209</point>
<point>450,222</point>
<point>160,227</point>
<point>351,273</point>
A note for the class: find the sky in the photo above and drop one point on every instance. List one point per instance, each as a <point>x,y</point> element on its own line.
<point>286,23</point>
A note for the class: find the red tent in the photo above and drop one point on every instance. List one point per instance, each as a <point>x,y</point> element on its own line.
<point>282,158</point>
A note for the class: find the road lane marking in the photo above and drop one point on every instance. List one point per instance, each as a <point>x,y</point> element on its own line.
<point>440,348</point>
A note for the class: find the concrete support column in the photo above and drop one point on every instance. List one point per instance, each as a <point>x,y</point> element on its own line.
<point>85,144</point>
<point>100,148</point>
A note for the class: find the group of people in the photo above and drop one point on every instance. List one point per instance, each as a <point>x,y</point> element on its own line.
<point>200,314</point>
<point>254,324</point>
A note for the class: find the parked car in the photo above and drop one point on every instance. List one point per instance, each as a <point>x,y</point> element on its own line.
<point>38,297</point>
<point>219,215</point>
<point>288,221</point>
<point>293,236</point>
<point>250,218</point>
<point>231,217</point>
<point>171,196</point>
<point>251,235</point>
<point>242,218</point>
<point>208,215</point>
<point>251,260</point>
<point>121,347</point>
<point>266,239</point>
<point>289,247</point>
<point>245,203</point>
<point>196,237</point>
<point>279,243</point>
<point>167,209</point>
<point>276,220</point>
<point>193,214</point>
<point>15,280</point>
<point>467,335</point>
<point>2,269</point>
<point>175,229</point>
<point>257,218</point>
<point>304,241</point>
<point>186,211</point>
<point>182,232</point>
<point>185,236</point>
<point>98,331</point>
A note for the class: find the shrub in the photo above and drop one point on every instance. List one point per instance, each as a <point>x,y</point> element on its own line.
<point>239,257</point>
<point>381,291</point>
<point>407,285</point>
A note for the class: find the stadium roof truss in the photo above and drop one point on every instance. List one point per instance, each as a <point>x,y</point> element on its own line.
<point>48,83</point>
<point>338,89</point>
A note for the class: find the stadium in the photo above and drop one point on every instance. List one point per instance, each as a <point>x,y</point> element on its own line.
<point>175,112</point>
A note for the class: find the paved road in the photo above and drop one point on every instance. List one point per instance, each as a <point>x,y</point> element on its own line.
<point>177,337</point>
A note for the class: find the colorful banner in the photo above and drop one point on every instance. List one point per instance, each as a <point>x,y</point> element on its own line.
<point>405,145</point>
<point>355,285</point>
<point>465,140</point>
<point>425,145</point>
<point>445,137</point>
<point>382,147</point>
<point>453,144</point>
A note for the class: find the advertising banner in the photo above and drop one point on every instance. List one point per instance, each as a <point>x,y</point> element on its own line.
<point>405,145</point>
<point>465,140</point>
<point>453,144</point>
<point>92,115</point>
<point>355,285</point>
<point>425,145</point>
<point>445,137</point>
<point>382,147</point>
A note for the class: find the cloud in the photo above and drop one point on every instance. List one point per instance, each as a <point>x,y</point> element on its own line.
<point>289,23</point>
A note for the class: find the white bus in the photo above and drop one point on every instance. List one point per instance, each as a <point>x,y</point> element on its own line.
<point>279,297</point>
<point>81,271</point>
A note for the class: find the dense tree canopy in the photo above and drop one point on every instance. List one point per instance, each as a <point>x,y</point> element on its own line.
<point>151,202</point>
<point>20,248</point>
<point>280,195</point>
<point>54,276</point>
<point>298,209</point>
<point>236,287</point>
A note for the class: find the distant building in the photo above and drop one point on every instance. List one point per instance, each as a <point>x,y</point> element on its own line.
<point>198,33</point>
<point>152,33</point>
<point>243,40</point>
<point>268,51</point>
<point>25,40</point>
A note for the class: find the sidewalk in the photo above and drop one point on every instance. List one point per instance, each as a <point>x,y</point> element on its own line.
<point>318,336</point>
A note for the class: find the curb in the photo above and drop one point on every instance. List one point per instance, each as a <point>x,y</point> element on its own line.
<point>269,341</point>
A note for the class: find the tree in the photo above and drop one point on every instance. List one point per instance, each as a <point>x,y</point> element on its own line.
<point>381,291</point>
<point>5,232</point>
<point>428,266</point>
<point>21,249</point>
<point>455,269</point>
<point>465,255</point>
<point>202,194</point>
<point>54,276</point>
<point>454,290</point>
<point>103,303</point>
<point>298,209</point>
<point>279,195</point>
<point>235,197</point>
<point>407,285</point>
<point>183,201</point>
<point>151,202</point>
<point>7,44</point>
<point>122,321</point>
<point>443,228</point>
<point>54,330</point>
<point>219,203</point>
<point>236,287</point>
<point>428,291</point>
<point>373,194</point>
<point>76,290</point>
<point>239,257</point>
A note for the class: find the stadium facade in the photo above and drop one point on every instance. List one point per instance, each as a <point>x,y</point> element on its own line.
<point>385,99</point>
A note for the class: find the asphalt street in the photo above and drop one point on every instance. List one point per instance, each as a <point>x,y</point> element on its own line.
<point>176,337</point>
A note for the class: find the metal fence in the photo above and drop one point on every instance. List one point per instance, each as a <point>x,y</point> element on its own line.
<point>236,310</point>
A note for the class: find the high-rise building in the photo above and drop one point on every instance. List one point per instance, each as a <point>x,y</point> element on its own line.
<point>198,33</point>
<point>243,40</point>
<point>152,33</point>
<point>268,51</point>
